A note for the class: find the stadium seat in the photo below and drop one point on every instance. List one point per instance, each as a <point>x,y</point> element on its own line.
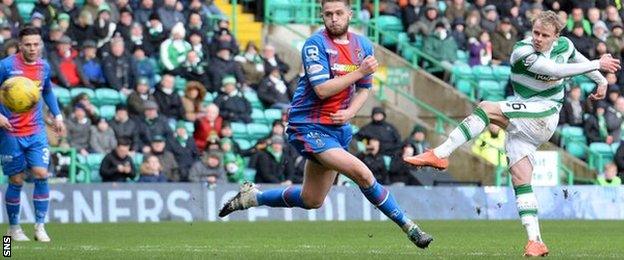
<point>281,14</point>
<point>501,73</point>
<point>77,91</point>
<point>391,26</point>
<point>249,174</point>
<point>253,99</point>
<point>587,87</point>
<point>257,131</point>
<point>257,115</point>
<point>243,144</point>
<point>464,86</point>
<point>180,83</point>
<point>601,153</point>
<point>581,79</point>
<point>462,71</point>
<point>272,114</point>
<point>354,129</point>
<point>462,56</point>
<point>62,94</point>
<point>574,140</point>
<point>107,112</point>
<point>24,9</point>
<point>482,72</point>
<point>208,98</point>
<point>190,127</point>
<point>614,147</point>
<point>491,90</point>
<point>387,160</point>
<point>239,130</point>
<point>107,96</point>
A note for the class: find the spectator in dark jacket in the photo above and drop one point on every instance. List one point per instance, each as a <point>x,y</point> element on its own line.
<point>91,66</point>
<point>136,100</point>
<point>223,36</point>
<point>490,19</point>
<point>273,90</point>
<point>185,151</point>
<point>503,41</point>
<point>195,69</point>
<point>381,130</point>
<point>619,159</point>
<point>125,23</point>
<point>83,29</point>
<point>272,60</point>
<point>581,42</point>
<point>223,65</point>
<point>137,38</point>
<point>169,15</point>
<point>400,171</point>
<point>596,127</point>
<point>417,140</point>
<point>146,67</point>
<point>427,22</point>
<point>123,126</point>
<point>574,108</point>
<point>117,166</point>
<point>412,12</point>
<point>459,35</point>
<point>45,8</point>
<point>273,165</point>
<point>169,102</point>
<point>142,14</point>
<point>170,166</point>
<point>152,125</point>
<point>155,31</point>
<point>119,68</point>
<point>232,105</point>
<point>374,161</point>
<point>66,68</point>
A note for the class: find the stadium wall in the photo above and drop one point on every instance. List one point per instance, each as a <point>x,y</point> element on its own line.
<point>125,202</point>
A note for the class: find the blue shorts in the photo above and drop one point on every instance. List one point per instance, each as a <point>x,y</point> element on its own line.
<point>17,153</point>
<point>311,139</point>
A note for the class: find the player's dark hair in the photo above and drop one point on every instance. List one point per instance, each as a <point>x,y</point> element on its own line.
<point>123,141</point>
<point>346,2</point>
<point>28,30</point>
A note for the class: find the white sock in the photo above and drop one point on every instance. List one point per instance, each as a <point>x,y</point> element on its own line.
<point>527,208</point>
<point>469,128</point>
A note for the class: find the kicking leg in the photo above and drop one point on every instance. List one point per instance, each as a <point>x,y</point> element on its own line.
<point>41,202</point>
<point>521,174</point>
<point>344,162</point>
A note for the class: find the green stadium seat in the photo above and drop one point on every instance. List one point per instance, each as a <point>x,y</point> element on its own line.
<point>391,26</point>
<point>249,174</point>
<point>464,86</point>
<point>462,56</point>
<point>94,160</point>
<point>387,160</point>
<point>62,94</point>
<point>614,147</point>
<point>243,144</point>
<point>501,73</point>
<point>281,14</point>
<point>587,87</point>
<point>239,130</point>
<point>180,83</point>
<point>581,79</point>
<point>482,72</point>
<point>257,131</point>
<point>601,154</point>
<point>25,8</point>
<point>190,127</point>
<point>77,91</point>
<point>462,71</point>
<point>491,90</point>
<point>257,115</point>
<point>107,112</point>
<point>208,98</point>
<point>576,149</point>
<point>107,96</point>
<point>574,140</point>
<point>272,114</point>
<point>354,129</point>
<point>253,99</point>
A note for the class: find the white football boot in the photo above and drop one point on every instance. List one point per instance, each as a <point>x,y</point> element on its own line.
<point>40,234</point>
<point>17,234</point>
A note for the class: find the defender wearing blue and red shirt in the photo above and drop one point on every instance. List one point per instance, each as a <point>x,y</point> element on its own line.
<point>23,140</point>
<point>338,72</point>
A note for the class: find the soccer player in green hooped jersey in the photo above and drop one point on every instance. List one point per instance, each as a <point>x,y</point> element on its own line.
<point>538,66</point>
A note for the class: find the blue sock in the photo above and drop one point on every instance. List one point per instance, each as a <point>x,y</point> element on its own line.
<point>41,201</point>
<point>282,198</point>
<point>12,203</point>
<point>382,199</point>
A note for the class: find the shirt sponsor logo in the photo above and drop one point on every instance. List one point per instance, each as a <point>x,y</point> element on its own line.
<point>344,67</point>
<point>16,72</point>
<point>311,53</point>
<point>315,68</point>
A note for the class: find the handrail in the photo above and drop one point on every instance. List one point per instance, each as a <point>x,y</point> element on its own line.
<point>311,7</point>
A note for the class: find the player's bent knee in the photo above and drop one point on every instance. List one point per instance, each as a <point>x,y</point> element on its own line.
<point>16,179</point>
<point>312,203</point>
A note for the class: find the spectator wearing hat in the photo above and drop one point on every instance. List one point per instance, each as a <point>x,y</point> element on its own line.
<point>46,9</point>
<point>441,46</point>
<point>252,65</point>
<point>273,91</point>
<point>232,105</point>
<point>146,67</point>
<point>124,127</point>
<point>169,15</point>
<point>64,21</point>
<point>412,12</point>
<point>117,166</point>
<point>615,41</point>
<point>418,140</point>
<point>151,170</point>
<point>373,159</point>
<point>195,69</point>
<point>574,109</point>
<point>473,25</point>
<point>69,7</point>
<point>271,59</point>
<point>192,100</point>
<point>102,137</point>
<point>426,24</point>
<point>151,125</point>
<point>93,7</point>
<point>381,130</point>
<point>119,69</point>
<point>272,164</point>
<point>223,35</point>
<point>66,68</point>
<point>613,89</point>
<point>169,102</point>
<point>209,169</point>
<point>223,65</point>
<point>124,26</point>
<point>155,31</point>
<point>400,172</point>
<point>104,26</point>
<point>37,20</point>
<point>138,98</point>
<point>184,150</point>
<point>78,129</point>
<point>581,41</point>
<point>142,14</point>
<point>459,35</point>
<point>82,29</point>
<point>456,10</point>
<point>198,44</point>
<point>490,18</point>
<point>170,168</point>
<point>503,41</point>
<point>207,124</point>
<point>173,50</point>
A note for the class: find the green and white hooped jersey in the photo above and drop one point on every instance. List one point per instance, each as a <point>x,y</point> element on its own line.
<point>532,86</point>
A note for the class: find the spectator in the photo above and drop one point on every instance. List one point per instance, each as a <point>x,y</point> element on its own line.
<point>520,22</point>
<point>104,26</point>
<point>277,129</point>
<point>427,23</point>
<point>169,164</point>
<point>490,144</point>
<point>136,100</point>
<point>151,125</point>
<point>118,68</point>
<point>609,177</point>
<point>151,170</point>
<point>173,50</point>
<point>596,128</point>
<point>78,130</point>
<point>156,34</point>
<point>601,49</point>
<point>138,39</point>
<point>232,105</point>
<point>194,69</point>
<point>401,172</point>
<point>417,140</point>
<point>192,100</point>
<point>272,60</point>
<point>593,15</point>
<point>146,67</point>
<point>184,150</point>
<point>198,44</point>
<point>503,41</point>
<point>233,162</point>
<point>13,14</point>
<point>196,24</point>
<point>92,7</point>
<point>123,127</point>
<point>273,91</point>
<point>614,116</point>
<point>36,20</point>
<point>223,36</point>
<point>169,102</point>
<point>600,32</point>
<point>66,69</point>
<point>411,13</point>
<point>252,65</point>
<point>574,108</point>
<point>612,17</point>
<point>381,130</point>
<point>613,90</point>
<point>9,48</point>
<point>456,10</point>
<point>169,15</point>
<point>102,138</point>
<point>582,43</point>
<point>577,19</point>
<point>83,29</point>
<point>117,166</point>
<point>205,125</point>
<point>85,102</point>
<point>223,65</point>
<point>54,36</point>
<point>63,21</point>
<point>615,41</point>
<point>45,8</point>
<point>440,46</point>
<point>459,35</point>
<point>125,24</point>
<point>473,25</point>
<point>208,169</point>
<point>481,51</point>
<point>374,160</point>
<point>619,159</point>
<point>490,19</point>
<point>142,14</point>
<point>272,165</point>
<point>91,67</point>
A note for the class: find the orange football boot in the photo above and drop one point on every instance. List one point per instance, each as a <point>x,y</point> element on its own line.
<point>428,158</point>
<point>535,248</point>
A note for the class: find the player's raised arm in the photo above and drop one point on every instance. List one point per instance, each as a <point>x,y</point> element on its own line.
<point>539,64</point>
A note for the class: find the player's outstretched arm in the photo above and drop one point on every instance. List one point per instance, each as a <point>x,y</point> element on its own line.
<point>335,85</point>
<point>541,65</point>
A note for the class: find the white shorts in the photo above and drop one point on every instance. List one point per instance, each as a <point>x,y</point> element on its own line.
<point>531,123</point>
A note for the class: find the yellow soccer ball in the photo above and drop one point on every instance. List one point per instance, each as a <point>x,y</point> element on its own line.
<point>19,94</point>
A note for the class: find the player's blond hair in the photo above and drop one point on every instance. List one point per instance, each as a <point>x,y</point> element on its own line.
<point>550,18</point>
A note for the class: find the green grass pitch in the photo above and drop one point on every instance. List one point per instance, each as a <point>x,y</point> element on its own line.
<point>313,240</point>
